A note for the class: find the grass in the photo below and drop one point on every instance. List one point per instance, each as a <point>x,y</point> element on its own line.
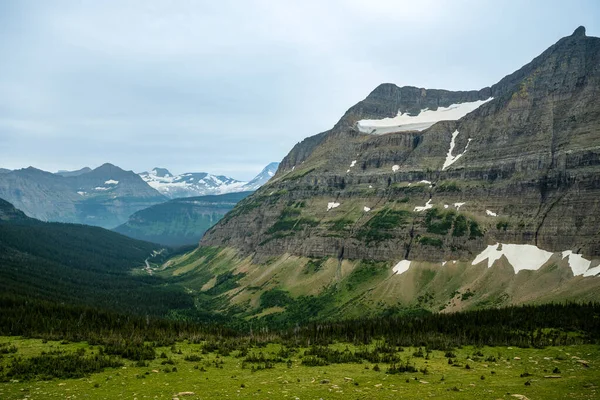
<point>493,372</point>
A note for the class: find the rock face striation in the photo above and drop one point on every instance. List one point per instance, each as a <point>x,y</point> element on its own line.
<point>523,168</point>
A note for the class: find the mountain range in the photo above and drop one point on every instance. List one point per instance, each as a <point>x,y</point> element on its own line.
<point>192,184</point>
<point>108,195</point>
<point>427,198</point>
<point>105,196</point>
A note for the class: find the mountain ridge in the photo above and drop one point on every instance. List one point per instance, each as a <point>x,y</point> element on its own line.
<point>192,184</point>
<point>518,170</point>
<point>105,196</point>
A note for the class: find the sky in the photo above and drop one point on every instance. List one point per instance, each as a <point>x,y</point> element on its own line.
<point>228,86</point>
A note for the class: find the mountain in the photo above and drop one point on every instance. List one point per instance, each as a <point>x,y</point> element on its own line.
<point>430,199</point>
<point>4,171</point>
<point>80,264</point>
<point>180,221</point>
<point>105,196</point>
<point>81,171</point>
<point>201,183</point>
<point>267,173</point>
<point>190,183</point>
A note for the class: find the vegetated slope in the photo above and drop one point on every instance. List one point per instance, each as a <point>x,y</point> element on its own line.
<point>180,221</point>
<point>79,264</point>
<point>105,196</point>
<point>346,206</point>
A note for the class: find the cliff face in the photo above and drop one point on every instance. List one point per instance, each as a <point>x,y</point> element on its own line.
<point>531,156</point>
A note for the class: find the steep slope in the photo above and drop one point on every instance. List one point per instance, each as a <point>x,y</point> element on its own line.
<point>79,264</point>
<point>8,213</point>
<point>521,168</point>
<point>105,196</point>
<point>192,184</point>
<point>180,221</point>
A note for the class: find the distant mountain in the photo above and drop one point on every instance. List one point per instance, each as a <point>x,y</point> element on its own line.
<point>180,221</point>
<point>78,172</point>
<point>4,171</point>
<point>105,196</point>
<point>267,173</point>
<point>80,264</point>
<point>201,183</point>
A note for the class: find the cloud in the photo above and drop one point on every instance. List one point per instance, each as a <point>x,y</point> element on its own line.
<point>230,86</point>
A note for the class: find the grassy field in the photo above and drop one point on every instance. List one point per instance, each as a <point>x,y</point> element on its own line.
<point>476,373</point>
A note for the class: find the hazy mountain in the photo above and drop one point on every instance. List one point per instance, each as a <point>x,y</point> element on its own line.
<point>192,184</point>
<point>180,221</point>
<point>81,171</point>
<point>263,177</point>
<point>105,196</point>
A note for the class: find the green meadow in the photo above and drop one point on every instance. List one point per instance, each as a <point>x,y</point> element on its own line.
<point>240,369</point>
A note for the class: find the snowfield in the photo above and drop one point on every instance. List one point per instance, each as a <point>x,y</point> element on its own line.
<point>404,122</point>
<point>450,159</point>
<point>530,257</point>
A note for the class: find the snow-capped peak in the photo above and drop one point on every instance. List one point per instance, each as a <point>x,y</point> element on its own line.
<point>192,184</point>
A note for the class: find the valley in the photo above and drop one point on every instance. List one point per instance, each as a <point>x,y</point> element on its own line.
<point>431,243</point>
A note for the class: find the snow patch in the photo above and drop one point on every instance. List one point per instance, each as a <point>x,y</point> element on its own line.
<point>401,267</point>
<point>520,256</point>
<point>426,182</point>
<point>459,205</point>
<point>353,163</point>
<point>592,271</point>
<point>446,206</point>
<point>81,193</point>
<point>331,205</point>
<point>426,207</point>
<point>450,159</point>
<point>347,170</point>
<point>395,168</point>
<point>111,182</point>
<point>578,264</point>
<point>405,122</point>
<point>101,188</point>
<point>491,213</point>
<point>370,186</point>
<point>366,209</point>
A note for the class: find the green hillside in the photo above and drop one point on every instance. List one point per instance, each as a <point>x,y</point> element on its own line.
<point>180,221</point>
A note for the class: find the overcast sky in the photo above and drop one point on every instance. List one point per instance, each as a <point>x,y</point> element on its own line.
<point>229,86</point>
